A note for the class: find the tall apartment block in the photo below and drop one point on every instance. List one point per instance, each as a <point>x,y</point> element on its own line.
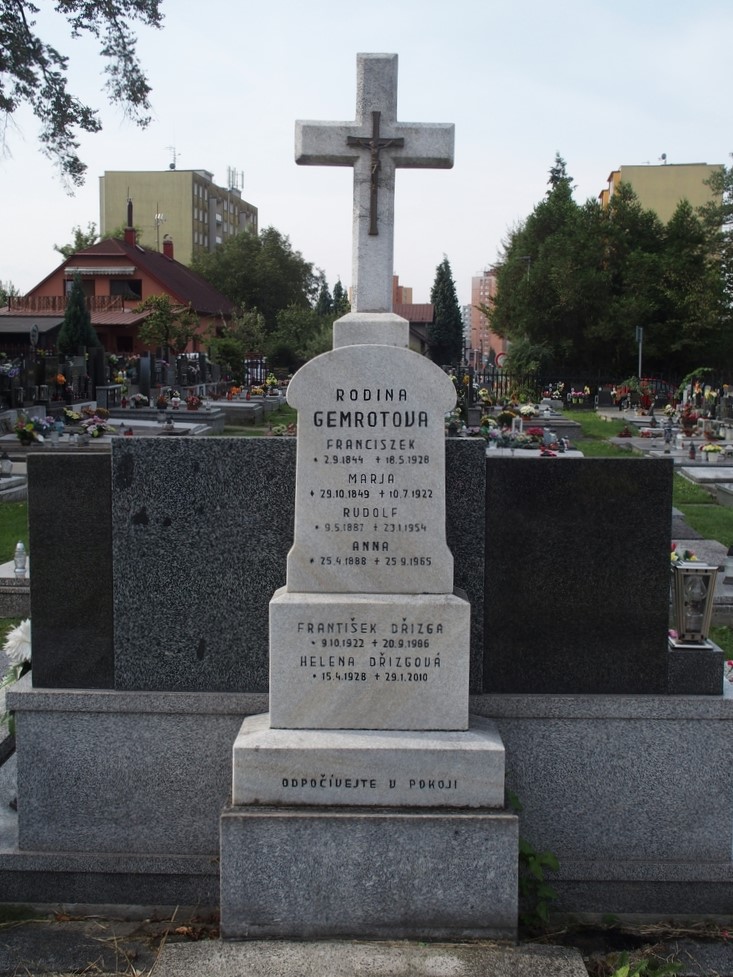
<point>484,345</point>
<point>661,187</point>
<point>185,205</point>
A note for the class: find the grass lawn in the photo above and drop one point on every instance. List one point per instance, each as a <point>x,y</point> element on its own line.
<point>283,415</point>
<point>13,528</point>
<point>723,637</point>
<point>698,506</point>
<point>593,442</point>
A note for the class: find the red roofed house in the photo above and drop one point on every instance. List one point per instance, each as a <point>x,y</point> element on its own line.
<point>419,315</point>
<point>117,275</point>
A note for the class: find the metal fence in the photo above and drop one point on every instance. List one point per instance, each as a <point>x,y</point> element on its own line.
<point>580,390</point>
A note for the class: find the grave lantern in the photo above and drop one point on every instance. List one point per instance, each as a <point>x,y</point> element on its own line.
<point>693,589</point>
<point>20,560</point>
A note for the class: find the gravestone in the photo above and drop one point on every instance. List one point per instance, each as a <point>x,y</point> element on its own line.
<point>604,618</point>
<point>367,757</point>
<point>146,375</point>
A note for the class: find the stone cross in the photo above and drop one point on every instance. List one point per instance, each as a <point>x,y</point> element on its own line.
<point>375,144</point>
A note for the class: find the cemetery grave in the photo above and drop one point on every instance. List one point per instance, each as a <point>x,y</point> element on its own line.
<point>306,674</point>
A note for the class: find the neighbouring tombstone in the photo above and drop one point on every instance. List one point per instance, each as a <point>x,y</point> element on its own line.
<point>599,606</point>
<point>204,369</point>
<point>72,612</point>
<point>146,374</point>
<point>96,367</point>
<point>367,756</point>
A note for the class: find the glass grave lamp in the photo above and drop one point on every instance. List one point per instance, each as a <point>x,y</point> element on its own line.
<point>693,589</point>
<point>6,465</point>
<point>20,560</point>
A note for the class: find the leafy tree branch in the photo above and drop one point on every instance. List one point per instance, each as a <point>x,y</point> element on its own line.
<point>33,72</point>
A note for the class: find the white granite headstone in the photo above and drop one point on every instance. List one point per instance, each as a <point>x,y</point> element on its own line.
<point>369,661</point>
<point>370,478</point>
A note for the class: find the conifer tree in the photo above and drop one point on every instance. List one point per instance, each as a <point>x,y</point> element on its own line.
<point>445,333</point>
<point>341,304</point>
<point>324,304</point>
<point>77,331</point>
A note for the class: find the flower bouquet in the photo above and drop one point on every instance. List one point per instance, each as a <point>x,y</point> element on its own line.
<point>71,416</point>
<point>96,426</point>
<point>193,402</point>
<point>505,417</point>
<point>30,429</point>
<point>529,410</point>
<point>688,418</point>
<point>139,400</point>
<point>17,648</point>
<point>685,556</point>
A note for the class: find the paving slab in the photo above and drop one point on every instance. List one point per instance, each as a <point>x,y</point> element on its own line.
<point>59,946</point>
<point>355,959</point>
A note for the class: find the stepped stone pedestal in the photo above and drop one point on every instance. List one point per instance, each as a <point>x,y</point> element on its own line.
<point>367,802</point>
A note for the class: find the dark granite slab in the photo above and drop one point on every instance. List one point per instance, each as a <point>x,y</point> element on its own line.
<point>465,515</point>
<point>696,671</point>
<point>69,513</point>
<point>201,530</point>
<point>577,579</point>
<point>576,560</point>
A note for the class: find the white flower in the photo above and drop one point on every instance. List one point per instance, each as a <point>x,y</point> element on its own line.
<point>18,643</point>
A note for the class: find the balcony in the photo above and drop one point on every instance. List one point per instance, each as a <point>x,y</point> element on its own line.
<point>56,304</point>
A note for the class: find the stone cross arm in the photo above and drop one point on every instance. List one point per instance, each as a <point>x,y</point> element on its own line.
<point>427,145</point>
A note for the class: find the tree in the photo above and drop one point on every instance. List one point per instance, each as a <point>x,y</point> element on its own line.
<point>717,220</point>
<point>82,239</point>
<point>341,304</point>
<point>558,173</point>
<point>689,323</point>
<point>230,342</point>
<point>577,280</point>
<point>168,326</point>
<point>34,73</point>
<point>76,330</point>
<point>260,272</point>
<point>118,233</point>
<point>324,303</point>
<point>445,333</point>
<point>300,335</point>
<point>551,276</point>
<point>7,291</point>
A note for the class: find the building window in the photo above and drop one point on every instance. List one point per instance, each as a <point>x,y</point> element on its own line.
<point>87,287</point>
<point>127,288</point>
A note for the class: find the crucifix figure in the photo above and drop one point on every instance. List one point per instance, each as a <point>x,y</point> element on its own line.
<point>375,144</point>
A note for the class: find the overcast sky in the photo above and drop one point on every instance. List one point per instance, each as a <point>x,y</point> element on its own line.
<point>605,84</point>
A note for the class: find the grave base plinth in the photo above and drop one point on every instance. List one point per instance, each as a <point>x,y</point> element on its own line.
<point>369,661</point>
<point>368,768</point>
<point>374,873</point>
